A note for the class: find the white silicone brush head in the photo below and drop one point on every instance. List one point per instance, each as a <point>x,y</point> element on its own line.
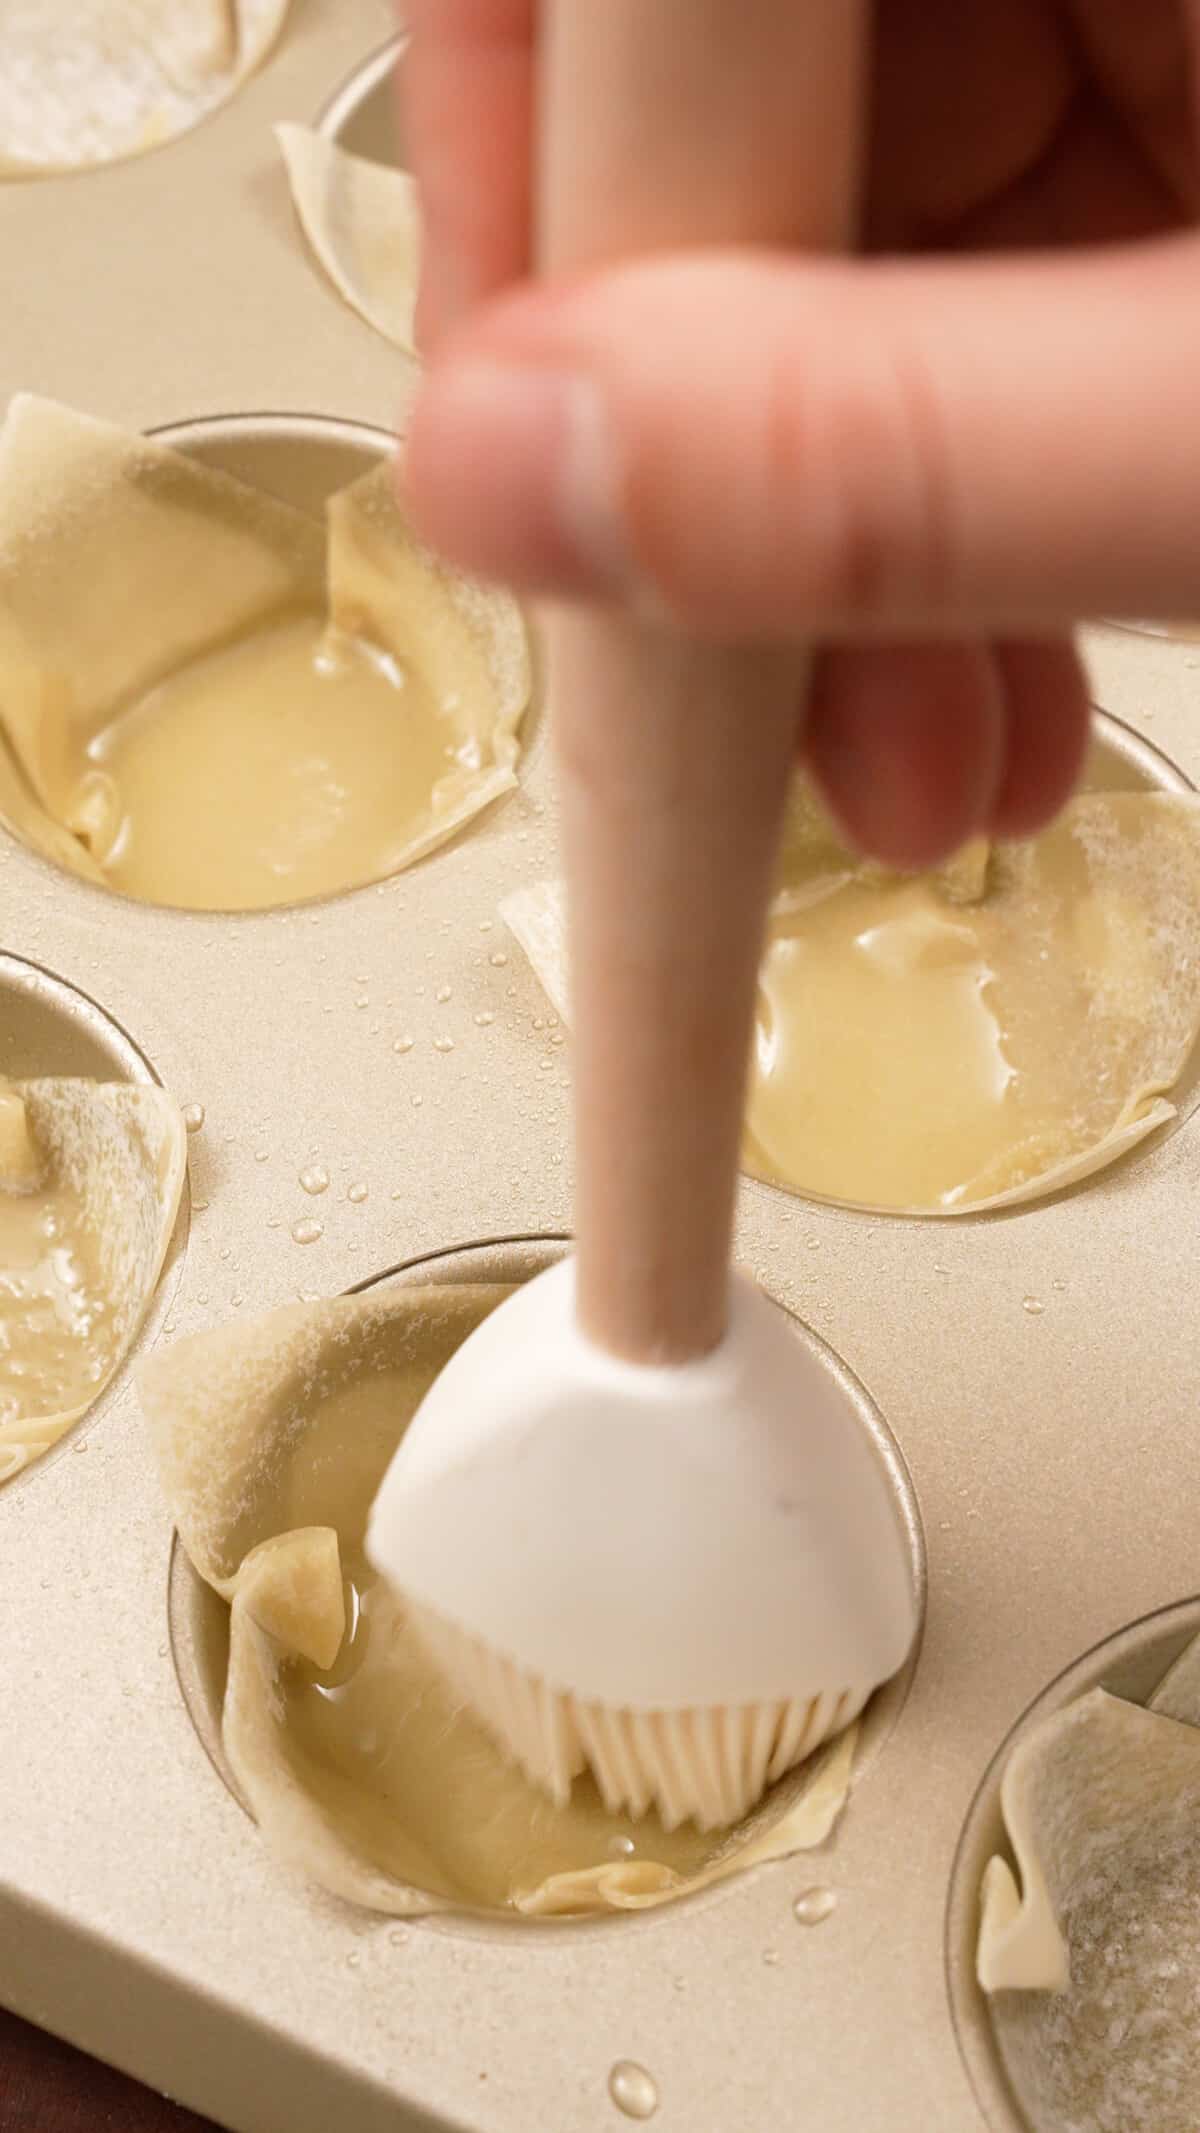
<point>684,1578</point>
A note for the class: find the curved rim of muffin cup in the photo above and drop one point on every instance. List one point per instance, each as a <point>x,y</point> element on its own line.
<point>197,1619</point>
<point>1131,1662</point>
<point>364,81</point>
<point>107,1053</point>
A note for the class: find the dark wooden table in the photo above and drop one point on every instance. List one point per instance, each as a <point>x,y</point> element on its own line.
<point>48,2087</point>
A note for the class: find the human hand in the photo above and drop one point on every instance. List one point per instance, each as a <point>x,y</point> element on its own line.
<point>937,456</point>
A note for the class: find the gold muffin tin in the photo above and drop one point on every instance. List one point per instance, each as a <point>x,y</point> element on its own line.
<point>1036,1367</point>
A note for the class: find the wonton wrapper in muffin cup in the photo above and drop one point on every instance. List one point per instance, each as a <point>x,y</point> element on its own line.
<point>125,566</point>
<point>363,222</point>
<point>107,1170</point>
<point>363,1772</point>
<point>958,1043</point>
<point>1090,1949</point>
<point>84,82</point>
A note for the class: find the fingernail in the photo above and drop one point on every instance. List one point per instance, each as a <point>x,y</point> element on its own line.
<point>514,471</point>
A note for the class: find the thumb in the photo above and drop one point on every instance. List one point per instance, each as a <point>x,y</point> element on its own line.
<point>762,445</point>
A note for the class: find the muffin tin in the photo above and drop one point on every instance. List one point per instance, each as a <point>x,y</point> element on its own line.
<point>1035,1367</point>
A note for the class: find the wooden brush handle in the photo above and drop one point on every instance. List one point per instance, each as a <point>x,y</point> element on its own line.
<point>664,123</point>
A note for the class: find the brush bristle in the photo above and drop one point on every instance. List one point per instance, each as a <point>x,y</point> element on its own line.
<point>710,1766</point>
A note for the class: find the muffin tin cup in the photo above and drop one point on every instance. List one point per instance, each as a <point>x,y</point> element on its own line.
<point>1036,1368</point>
<point>199,1619</point>
<point>1130,1664</point>
<point>48,1027</point>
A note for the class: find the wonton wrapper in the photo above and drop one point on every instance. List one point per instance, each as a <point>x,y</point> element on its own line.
<point>271,1440</point>
<point>1091,1951</point>
<point>90,81</point>
<point>120,1149</point>
<point>466,641</point>
<point>123,561</point>
<point>363,221</point>
<point>1075,958</point>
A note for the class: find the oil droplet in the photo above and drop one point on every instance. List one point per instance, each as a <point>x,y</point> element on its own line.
<point>939,1269</point>
<point>771,1958</point>
<point>363,1000</point>
<point>417,1101</point>
<point>813,1906</point>
<point>1059,1285</point>
<point>81,1446</point>
<point>403,1044</point>
<point>632,2089</point>
<point>198,1206</point>
<point>273,1222</point>
<point>226,1252</point>
<point>443,994</point>
<point>814,1244</point>
<point>485,925</point>
<point>443,1044</point>
<point>262,1155</point>
<point>357,1193</point>
<point>485,1020</point>
<point>621,1848</point>
<point>1034,1306</point>
<point>307,1231</point>
<point>397,1938</point>
<point>315,1178</point>
<point>498,959</point>
<point>193,1117</point>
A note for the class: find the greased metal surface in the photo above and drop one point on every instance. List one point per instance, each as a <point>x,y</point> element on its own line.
<point>1052,1450</point>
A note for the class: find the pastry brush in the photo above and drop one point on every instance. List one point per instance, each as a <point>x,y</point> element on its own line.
<point>640,1527</point>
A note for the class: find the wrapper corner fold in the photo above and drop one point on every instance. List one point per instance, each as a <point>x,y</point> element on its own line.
<point>363,223</point>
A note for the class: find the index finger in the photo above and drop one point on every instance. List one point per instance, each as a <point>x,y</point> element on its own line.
<point>467,93</point>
